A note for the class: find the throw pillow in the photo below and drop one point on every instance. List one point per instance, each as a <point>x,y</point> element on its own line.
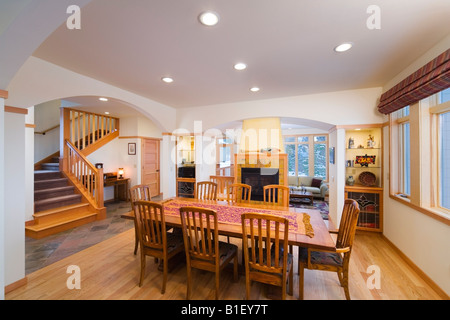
<point>316,183</point>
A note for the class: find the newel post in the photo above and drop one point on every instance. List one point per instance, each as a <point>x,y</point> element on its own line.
<point>64,134</point>
<point>99,188</point>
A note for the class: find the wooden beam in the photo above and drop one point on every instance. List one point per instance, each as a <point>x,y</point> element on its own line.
<point>3,94</point>
<point>16,110</point>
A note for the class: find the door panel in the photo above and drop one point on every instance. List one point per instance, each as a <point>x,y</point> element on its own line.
<point>150,165</point>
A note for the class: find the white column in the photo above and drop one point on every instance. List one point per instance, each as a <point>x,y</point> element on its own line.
<point>2,199</point>
<point>14,201</point>
<point>167,167</point>
<point>337,176</point>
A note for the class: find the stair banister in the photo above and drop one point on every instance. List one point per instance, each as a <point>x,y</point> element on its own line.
<point>85,174</point>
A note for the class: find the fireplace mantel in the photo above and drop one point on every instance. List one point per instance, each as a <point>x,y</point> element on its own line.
<point>262,160</point>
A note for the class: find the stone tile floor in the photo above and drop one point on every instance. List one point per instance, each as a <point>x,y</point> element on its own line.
<point>42,252</point>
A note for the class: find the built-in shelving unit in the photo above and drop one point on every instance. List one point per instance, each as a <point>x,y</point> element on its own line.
<point>364,172</point>
<point>185,147</point>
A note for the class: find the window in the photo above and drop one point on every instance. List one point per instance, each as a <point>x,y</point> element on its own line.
<point>404,151</point>
<point>420,155</point>
<point>307,155</point>
<point>406,158</point>
<point>225,154</point>
<point>444,170</point>
<point>444,95</point>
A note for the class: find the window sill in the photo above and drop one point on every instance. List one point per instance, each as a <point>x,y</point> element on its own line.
<point>439,214</point>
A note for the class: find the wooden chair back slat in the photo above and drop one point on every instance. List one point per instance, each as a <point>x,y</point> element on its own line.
<point>151,225</point>
<point>140,192</point>
<point>239,192</point>
<point>276,195</point>
<point>348,224</point>
<point>267,234</point>
<point>223,182</point>
<point>200,232</point>
<point>206,190</point>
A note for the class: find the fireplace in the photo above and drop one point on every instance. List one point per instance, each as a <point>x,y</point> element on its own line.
<point>258,178</point>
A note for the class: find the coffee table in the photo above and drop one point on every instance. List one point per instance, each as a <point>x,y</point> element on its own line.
<point>294,194</point>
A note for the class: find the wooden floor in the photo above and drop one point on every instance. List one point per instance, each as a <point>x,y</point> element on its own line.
<point>110,270</point>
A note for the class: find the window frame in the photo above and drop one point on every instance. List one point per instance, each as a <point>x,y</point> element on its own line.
<point>310,143</point>
<point>424,155</point>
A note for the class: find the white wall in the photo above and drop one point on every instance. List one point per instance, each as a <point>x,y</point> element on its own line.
<point>424,240</point>
<point>14,184</point>
<point>335,108</point>
<point>114,155</point>
<point>46,116</point>
<point>2,199</point>
<point>29,165</point>
<point>39,81</point>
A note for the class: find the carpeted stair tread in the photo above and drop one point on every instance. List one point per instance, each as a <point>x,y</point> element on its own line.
<point>53,192</point>
<point>50,183</point>
<point>55,202</point>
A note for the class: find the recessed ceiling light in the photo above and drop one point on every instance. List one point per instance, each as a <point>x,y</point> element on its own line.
<point>254,89</point>
<point>208,18</point>
<point>167,80</point>
<point>240,66</point>
<point>106,112</point>
<point>103,99</point>
<point>343,47</point>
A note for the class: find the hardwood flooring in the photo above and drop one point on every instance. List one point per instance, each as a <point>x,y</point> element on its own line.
<point>110,271</point>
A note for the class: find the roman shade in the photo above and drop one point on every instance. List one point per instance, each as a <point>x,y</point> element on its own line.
<point>431,78</point>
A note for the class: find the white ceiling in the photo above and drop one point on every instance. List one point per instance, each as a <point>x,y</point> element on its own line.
<point>287,45</point>
<point>116,108</point>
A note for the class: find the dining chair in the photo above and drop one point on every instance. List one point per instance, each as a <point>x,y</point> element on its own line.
<point>275,194</point>
<point>138,192</point>
<point>266,258</point>
<point>206,190</point>
<point>154,239</point>
<point>239,192</point>
<point>203,249</point>
<point>336,261</point>
<point>222,185</point>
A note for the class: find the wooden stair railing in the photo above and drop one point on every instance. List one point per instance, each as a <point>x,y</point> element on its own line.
<point>88,131</point>
<point>83,174</point>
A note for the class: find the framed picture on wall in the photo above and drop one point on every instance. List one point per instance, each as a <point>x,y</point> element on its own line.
<point>132,148</point>
<point>332,155</point>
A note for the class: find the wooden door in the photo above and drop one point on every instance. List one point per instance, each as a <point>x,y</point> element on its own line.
<point>150,165</point>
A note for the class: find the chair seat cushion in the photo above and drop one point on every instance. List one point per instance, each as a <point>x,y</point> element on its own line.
<point>290,258</point>
<point>226,250</point>
<point>174,242</point>
<point>321,257</point>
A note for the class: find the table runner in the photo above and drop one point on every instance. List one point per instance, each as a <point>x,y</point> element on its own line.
<point>298,222</point>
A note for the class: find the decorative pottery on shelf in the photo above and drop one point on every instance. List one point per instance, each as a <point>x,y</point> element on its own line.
<point>365,160</point>
<point>367,178</point>
<point>350,181</point>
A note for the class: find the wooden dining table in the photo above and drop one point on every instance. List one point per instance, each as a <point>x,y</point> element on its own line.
<point>313,234</point>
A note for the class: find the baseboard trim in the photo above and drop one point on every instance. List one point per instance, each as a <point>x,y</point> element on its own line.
<point>15,285</point>
<point>422,274</point>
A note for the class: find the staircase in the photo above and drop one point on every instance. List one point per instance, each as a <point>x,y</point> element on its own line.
<point>57,206</point>
<point>73,196</point>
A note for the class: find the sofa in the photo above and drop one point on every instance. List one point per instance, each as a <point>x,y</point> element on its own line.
<point>317,186</point>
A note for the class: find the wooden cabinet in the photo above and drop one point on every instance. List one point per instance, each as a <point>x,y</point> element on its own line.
<point>364,164</point>
<point>370,202</point>
<point>186,181</point>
